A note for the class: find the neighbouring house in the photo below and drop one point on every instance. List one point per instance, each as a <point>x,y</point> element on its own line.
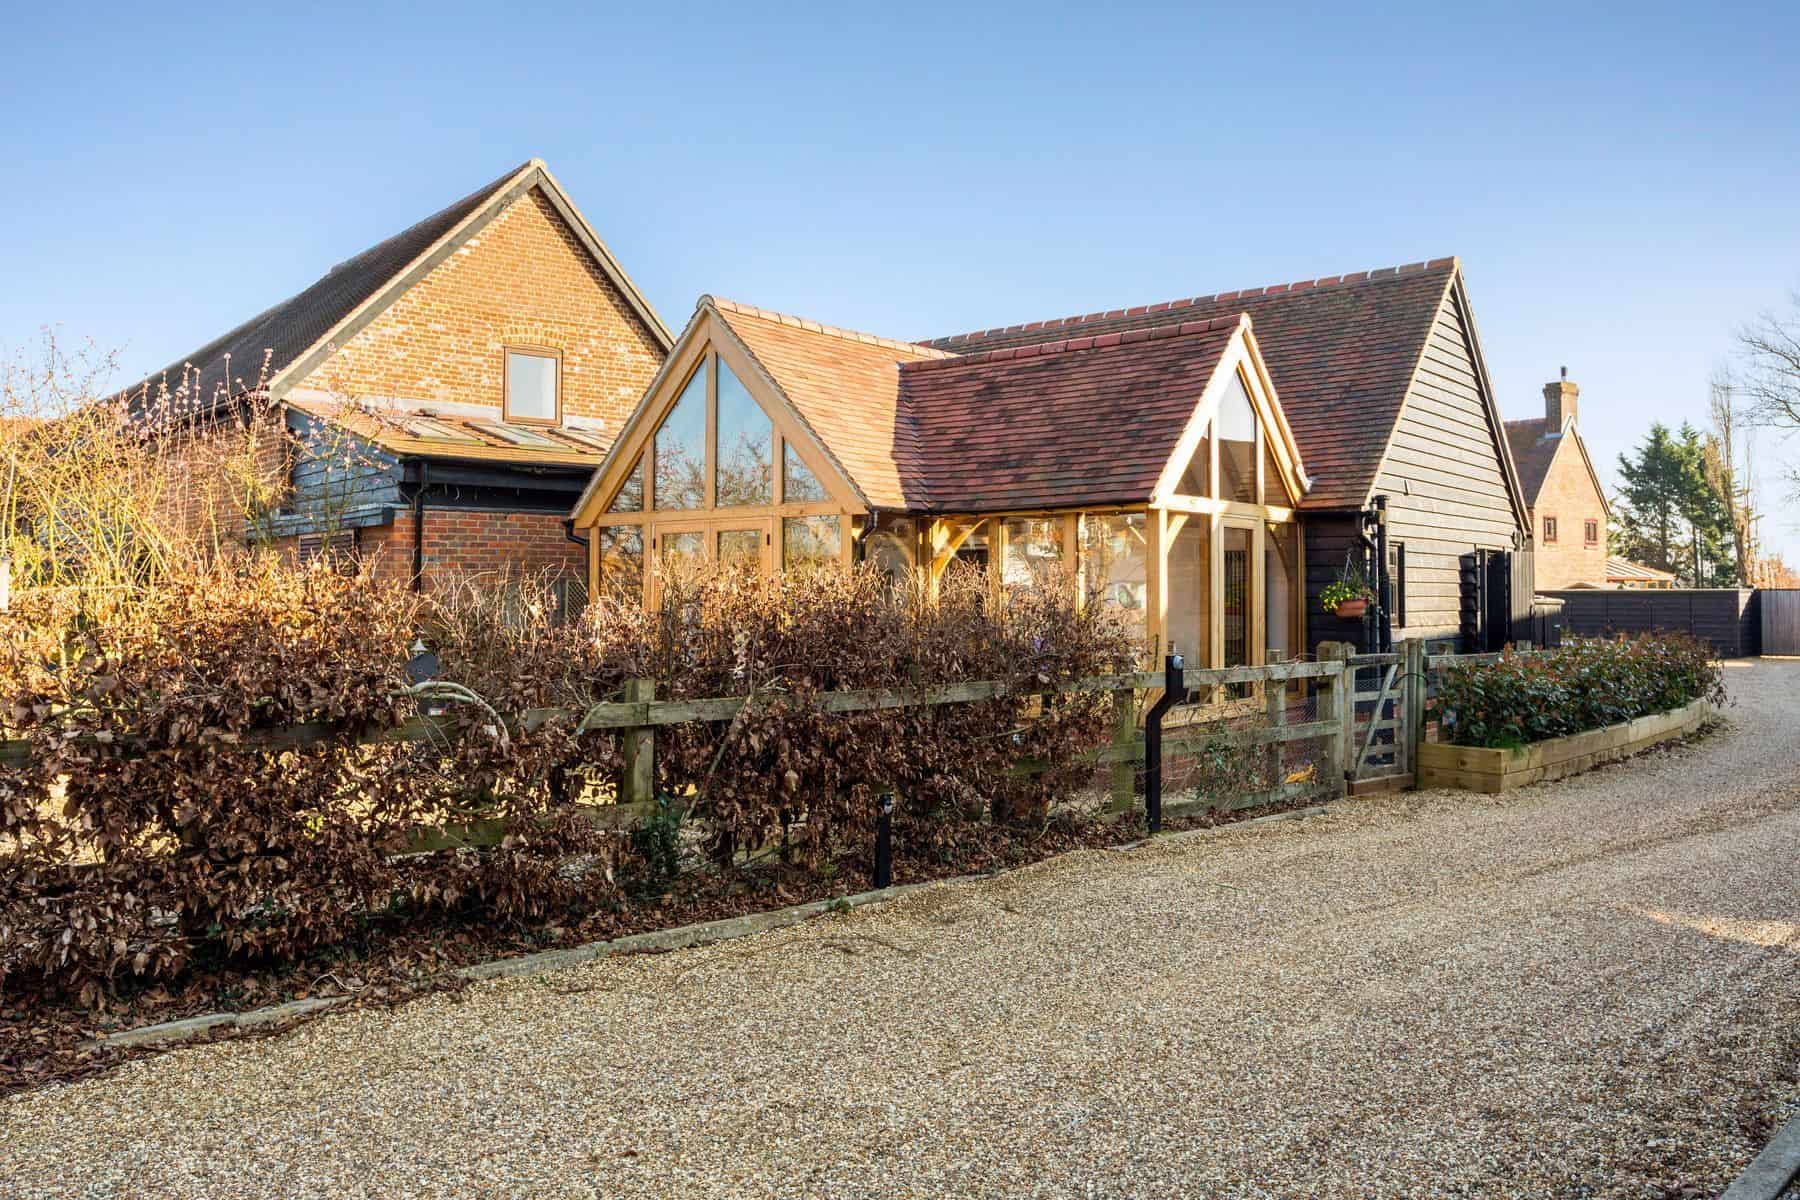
<point>1205,465</point>
<point>1623,573</point>
<point>1563,494</point>
<point>446,394</point>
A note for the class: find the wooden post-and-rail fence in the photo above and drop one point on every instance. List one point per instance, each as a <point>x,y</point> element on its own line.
<point>639,714</point>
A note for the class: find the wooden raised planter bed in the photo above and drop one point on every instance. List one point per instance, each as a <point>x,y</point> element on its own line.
<point>1478,769</point>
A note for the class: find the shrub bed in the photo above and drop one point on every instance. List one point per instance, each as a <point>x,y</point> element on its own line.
<point>1586,684</point>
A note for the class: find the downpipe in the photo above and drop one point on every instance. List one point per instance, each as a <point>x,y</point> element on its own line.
<point>1174,692</point>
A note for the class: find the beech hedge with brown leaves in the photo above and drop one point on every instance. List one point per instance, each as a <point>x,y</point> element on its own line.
<point>167,810</point>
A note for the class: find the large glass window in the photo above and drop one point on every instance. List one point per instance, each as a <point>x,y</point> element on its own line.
<point>531,386</point>
<point>1281,580</point>
<point>1196,481</point>
<point>631,492</point>
<point>741,549</point>
<point>683,555</point>
<point>745,470</point>
<point>621,563</point>
<point>810,541</point>
<point>1034,552</point>
<point>1274,491</point>
<point>798,483</point>
<point>1235,427</point>
<point>1190,592</point>
<point>681,449</point>
<point>891,553</point>
<point>1237,594</point>
<point>1113,562</point>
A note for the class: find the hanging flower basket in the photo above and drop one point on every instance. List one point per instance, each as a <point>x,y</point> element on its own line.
<point>1352,610</point>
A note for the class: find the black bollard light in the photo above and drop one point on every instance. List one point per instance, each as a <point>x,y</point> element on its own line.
<point>1174,692</point>
<point>884,841</point>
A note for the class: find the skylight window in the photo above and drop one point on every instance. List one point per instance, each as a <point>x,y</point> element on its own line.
<point>429,429</point>
<point>517,436</point>
<point>533,386</point>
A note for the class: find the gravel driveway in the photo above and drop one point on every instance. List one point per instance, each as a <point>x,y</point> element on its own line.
<point>1587,988</point>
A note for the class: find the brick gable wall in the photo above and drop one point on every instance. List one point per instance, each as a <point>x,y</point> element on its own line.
<point>525,279</point>
<point>1569,495</point>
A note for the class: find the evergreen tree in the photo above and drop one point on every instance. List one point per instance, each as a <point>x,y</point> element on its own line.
<point>1669,514</point>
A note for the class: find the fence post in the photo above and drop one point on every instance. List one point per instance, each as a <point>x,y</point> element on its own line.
<point>1337,705</point>
<point>1124,773</point>
<point>1413,714</point>
<point>1275,711</point>
<point>638,743</point>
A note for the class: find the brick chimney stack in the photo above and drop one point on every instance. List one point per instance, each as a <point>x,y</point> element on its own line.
<point>1560,402</point>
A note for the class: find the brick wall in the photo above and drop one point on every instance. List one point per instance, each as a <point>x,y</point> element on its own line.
<point>212,474</point>
<point>460,543</point>
<point>1569,495</point>
<point>523,280</point>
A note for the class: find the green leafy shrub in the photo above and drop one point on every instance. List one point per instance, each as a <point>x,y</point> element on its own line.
<point>1586,684</point>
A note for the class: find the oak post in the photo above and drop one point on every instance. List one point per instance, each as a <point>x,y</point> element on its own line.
<point>1337,705</point>
<point>638,744</point>
<point>1413,689</point>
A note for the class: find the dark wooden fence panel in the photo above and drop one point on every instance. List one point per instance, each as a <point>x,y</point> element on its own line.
<point>1728,618</point>
<point>1780,620</point>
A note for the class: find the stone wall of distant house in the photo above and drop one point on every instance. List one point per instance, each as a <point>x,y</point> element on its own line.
<point>524,280</point>
<point>1569,495</point>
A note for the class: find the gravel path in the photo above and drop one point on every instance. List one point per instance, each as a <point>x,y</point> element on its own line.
<point>1585,989</point>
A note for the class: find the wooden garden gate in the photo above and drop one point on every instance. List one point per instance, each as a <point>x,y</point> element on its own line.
<point>1383,716</point>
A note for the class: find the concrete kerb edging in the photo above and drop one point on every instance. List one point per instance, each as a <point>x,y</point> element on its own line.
<point>680,938</point>
<point>1770,1172</point>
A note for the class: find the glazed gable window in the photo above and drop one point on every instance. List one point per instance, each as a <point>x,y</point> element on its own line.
<point>533,385</point>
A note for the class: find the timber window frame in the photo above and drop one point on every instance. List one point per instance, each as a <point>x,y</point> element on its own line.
<point>544,353</point>
<point>1590,532</point>
<point>1549,531</point>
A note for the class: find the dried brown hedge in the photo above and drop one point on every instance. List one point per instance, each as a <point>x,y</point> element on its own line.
<point>160,815</point>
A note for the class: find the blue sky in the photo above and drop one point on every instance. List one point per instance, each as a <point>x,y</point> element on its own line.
<point>1623,187</point>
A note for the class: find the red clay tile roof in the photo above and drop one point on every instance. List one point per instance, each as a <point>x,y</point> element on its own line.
<point>1085,420</point>
<point>844,385</point>
<point>1340,350</point>
<point>1533,449</point>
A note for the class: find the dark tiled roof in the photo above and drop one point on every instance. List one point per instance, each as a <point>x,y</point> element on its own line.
<point>1341,352</point>
<point>1085,420</point>
<point>1534,447</point>
<point>289,329</point>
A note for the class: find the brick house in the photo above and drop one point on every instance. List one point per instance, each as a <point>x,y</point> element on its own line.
<point>1567,503</point>
<point>1207,465</point>
<point>442,397</point>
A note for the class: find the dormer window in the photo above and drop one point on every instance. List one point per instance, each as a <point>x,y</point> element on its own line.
<point>533,385</point>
